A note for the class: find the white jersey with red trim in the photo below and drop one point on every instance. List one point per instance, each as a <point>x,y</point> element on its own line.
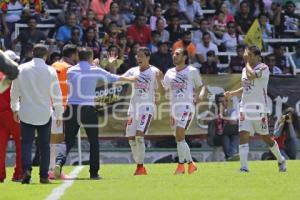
<point>182,84</point>
<point>145,86</point>
<point>254,97</point>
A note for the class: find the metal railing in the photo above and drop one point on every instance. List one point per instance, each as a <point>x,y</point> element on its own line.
<point>40,26</point>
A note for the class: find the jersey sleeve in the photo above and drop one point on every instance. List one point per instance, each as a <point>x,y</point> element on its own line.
<point>128,73</point>
<point>264,71</point>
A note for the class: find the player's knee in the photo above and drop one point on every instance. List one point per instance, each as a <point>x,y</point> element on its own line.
<point>180,137</point>
<point>268,140</point>
<point>244,137</point>
<point>139,133</point>
<point>139,139</point>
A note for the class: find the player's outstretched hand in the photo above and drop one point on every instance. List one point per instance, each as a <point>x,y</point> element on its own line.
<point>227,95</point>
<point>246,55</point>
<point>129,78</point>
<point>96,61</point>
<point>112,57</point>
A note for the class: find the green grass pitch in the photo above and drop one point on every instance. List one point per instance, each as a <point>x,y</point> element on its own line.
<point>212,181</point>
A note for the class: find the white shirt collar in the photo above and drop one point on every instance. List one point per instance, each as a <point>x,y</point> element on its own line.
<point>39,61</point>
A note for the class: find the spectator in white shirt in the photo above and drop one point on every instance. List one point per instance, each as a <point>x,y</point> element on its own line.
<point>204,27</point>
<point>164,35</point>
<point>10,16</point>
<point>231,37</point>
<point>33,94</point>
<point>271,62</point>
<point>204,47</point>
<point>264,26</point>
<point>191,9</point>
<point>296,56</point>
<point>156,15</point>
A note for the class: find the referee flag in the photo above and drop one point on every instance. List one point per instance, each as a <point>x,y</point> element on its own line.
<point>254,35</point>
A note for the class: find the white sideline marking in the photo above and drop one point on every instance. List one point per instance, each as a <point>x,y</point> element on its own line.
<point>58,192</point>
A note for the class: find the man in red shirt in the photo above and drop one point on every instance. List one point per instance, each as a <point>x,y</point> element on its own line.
<point>8,127</point>
<point>139,32</point>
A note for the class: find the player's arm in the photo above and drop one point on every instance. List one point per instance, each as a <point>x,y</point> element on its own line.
<point>229,94</point>
<point>116,78</point>
<point>200,92</point>
<point>15,94</point>
<point>159,80</point>
<point>128,79</point>
<point>159,88</point>
<point>252,74</point>
<point>166,83</point>
<point>198,84</point>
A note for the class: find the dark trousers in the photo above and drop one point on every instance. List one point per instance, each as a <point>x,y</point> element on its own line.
<point>27,134</point>
<point>230,145</point>
<point>86,116</point>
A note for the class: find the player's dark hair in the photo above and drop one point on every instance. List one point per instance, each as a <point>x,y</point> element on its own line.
<point>85,53</point>
<point>255,50</point>
<point>40,50</point>
<point>145,50</point>
<point>69,50</point>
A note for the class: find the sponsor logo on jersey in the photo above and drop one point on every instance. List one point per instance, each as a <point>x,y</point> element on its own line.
<point>143,118</point>
<point>179,82</point>
<point>247,85</point>
<point>184,116</point>
<point>143,82</point>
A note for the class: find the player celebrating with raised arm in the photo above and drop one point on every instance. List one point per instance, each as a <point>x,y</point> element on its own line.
<point>142,105</point>
<point>181,82</point>
<point>253,107</point>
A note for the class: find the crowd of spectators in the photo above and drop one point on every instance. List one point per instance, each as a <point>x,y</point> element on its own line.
<point>121,26</point>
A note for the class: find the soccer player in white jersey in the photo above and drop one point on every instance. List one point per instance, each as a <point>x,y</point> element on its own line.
<point>183,83</point>
<point>142,105</point>
<point>253,107</point>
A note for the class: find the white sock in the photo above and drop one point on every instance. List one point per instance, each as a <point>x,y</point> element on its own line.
<point>187,153</point>
<point>243,152</point>
<point>276,152</point>
<point>140,149</point>
<point>181,151</point>
<point>132,144</point>
<point>53,153</point>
